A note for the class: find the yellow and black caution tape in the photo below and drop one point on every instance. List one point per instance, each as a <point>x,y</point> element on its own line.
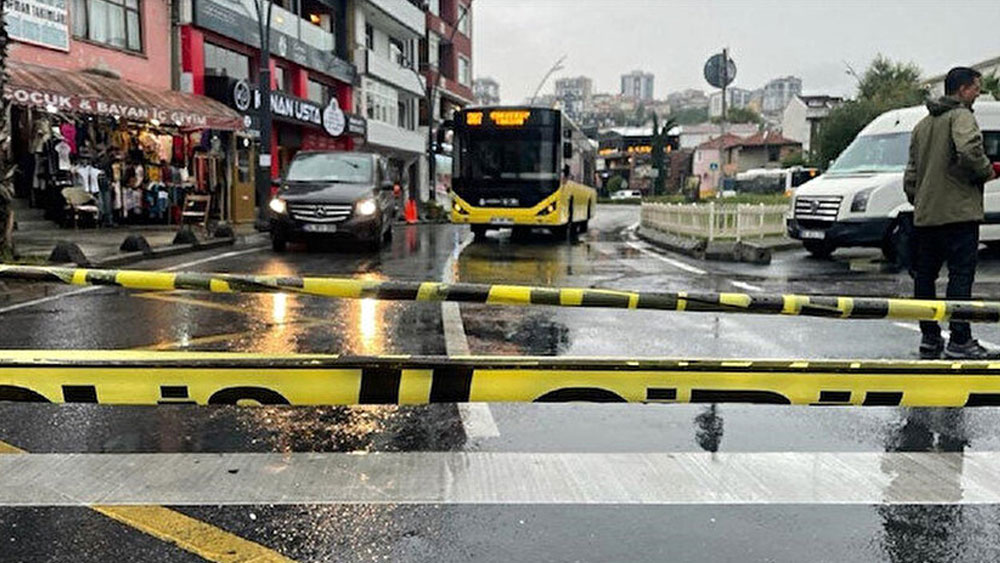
<point>144,378</point>
<point>773,304</point>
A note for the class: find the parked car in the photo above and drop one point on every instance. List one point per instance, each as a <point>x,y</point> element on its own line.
<point>327,194</point>
<point>626,194</point>
<point>860,201</point>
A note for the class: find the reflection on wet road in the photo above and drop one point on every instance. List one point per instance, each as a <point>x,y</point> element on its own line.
<point>911,472</point>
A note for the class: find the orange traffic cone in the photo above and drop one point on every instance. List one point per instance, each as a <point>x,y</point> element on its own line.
<point>410,212</point>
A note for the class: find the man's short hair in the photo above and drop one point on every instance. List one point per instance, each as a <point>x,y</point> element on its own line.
<point>958,77</point>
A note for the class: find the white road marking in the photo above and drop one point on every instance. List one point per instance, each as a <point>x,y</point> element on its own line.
<point>747,286</point>
<point>477,419</point>
<point>662,478</point>
<point>215,258</point>
<point>675,263</point>
<point>945,333</point>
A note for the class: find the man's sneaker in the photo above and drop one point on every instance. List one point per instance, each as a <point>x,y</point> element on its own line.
<point>931,349</point>
<point>971,350</point>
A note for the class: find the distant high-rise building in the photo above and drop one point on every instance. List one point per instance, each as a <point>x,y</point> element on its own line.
<point>486,91</point>
<point>574,94</point>
<point>736,98</point>
<point>780,91</point>
<point>638,85</point>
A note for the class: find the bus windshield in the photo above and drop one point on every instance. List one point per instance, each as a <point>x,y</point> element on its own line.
<point>522,154</point>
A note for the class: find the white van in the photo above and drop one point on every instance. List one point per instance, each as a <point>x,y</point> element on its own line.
<point>857,201</point>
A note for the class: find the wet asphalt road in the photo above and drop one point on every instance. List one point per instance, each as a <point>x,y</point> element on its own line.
<point>607,257</point>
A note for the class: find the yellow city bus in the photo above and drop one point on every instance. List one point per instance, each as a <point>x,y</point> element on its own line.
<point>522,168</point>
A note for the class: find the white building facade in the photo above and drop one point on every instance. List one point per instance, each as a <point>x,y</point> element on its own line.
<point>386,41</point>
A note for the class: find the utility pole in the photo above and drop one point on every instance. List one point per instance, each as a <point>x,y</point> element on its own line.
<point>263,179</point>
<point>725,80</point>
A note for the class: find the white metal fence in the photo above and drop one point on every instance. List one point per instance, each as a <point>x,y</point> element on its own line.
<point>714,221</point>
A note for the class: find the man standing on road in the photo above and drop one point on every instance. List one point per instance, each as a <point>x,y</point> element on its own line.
<point>944,182</point>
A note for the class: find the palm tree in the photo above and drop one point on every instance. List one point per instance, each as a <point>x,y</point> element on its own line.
<point>6,168</point>
<point>660,142</point>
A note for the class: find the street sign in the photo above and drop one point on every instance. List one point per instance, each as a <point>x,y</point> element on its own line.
<point>714,166</point>
<point>718,76</point>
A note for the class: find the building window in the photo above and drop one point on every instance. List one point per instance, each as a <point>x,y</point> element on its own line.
<point>463,20</point>
<point>433,44</point>
<point>464,72</point>
<point>220,61</point>
<point>369,37</point>
<point>116,23</point>
<point>381,102</point>
<point>320,93</point>
<point>283,79</point>
<point>773,154</point>
<point>397,51</point>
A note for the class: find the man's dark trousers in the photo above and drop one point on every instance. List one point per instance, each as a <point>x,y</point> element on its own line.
<point>956,244</point>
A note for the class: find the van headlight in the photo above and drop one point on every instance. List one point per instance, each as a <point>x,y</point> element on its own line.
<point>367,207</point>
<point>278,206</point>
<point>860,202</point>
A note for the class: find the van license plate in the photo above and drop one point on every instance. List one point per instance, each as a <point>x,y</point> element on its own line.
<point>501,221</point>
<point>319,228</point>
<point>812,234</point>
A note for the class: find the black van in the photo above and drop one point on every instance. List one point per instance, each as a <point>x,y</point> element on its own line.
<point>328,194</point>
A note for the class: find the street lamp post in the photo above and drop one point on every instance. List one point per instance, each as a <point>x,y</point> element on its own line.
<point>555,67</point>
<point>263,178</point>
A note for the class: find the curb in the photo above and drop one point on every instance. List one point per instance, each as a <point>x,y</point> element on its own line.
<point>753,252</point>
<point>165,251</point>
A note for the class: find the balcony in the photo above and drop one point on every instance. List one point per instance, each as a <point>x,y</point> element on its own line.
<point>286,22</point>
<point>403,12</point>
<point>386,70</point>
<point>386,135</point>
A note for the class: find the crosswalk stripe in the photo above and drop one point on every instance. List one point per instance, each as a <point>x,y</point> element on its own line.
<point>500,477</point>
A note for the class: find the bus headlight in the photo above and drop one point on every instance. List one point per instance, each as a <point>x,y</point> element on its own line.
<point>458,209</point>
<point>551,208</point>
<point>367,207</point>
<point>278,206</point>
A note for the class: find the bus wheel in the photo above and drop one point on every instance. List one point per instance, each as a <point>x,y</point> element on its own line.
<point>479,232</point>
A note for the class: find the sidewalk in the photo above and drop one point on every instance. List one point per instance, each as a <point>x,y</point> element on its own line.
<point>102,246</point>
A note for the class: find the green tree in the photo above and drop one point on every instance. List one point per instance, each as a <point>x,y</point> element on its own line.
<point>891,84</point>
<point>615,184</point>
<point>659,147</point>
<point>689,116</point>
<point>794,159</point>
<point>740,115</point>
<point>885,85</point>
<point>991,85</point>
<point>6,168</point>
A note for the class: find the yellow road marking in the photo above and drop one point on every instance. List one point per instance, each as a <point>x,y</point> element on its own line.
<point>200,538</point>
<point>204,540</point>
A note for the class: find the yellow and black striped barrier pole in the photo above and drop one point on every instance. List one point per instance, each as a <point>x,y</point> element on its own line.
<point>206,378</point>
<point>346,288</point>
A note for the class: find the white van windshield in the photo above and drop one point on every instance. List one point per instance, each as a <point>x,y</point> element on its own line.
<point>874,153</point>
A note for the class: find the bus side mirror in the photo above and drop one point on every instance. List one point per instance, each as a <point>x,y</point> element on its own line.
<point>567,150</point>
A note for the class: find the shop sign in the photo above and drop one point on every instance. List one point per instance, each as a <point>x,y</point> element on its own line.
<point>67,103</point>
<point>40,22</point>
<point>232,19</point>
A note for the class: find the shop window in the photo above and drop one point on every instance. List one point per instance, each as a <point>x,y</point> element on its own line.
<point>283,79</point>
<point>116,23</point>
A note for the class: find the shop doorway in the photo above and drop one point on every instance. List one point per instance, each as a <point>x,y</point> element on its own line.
<point>244,174</point>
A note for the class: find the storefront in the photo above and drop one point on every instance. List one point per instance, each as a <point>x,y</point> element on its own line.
<point>136,150</point>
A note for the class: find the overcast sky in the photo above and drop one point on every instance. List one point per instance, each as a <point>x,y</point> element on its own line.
<point>517,41</point>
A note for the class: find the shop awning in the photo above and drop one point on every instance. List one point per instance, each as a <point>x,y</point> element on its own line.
<point>66,91</point>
